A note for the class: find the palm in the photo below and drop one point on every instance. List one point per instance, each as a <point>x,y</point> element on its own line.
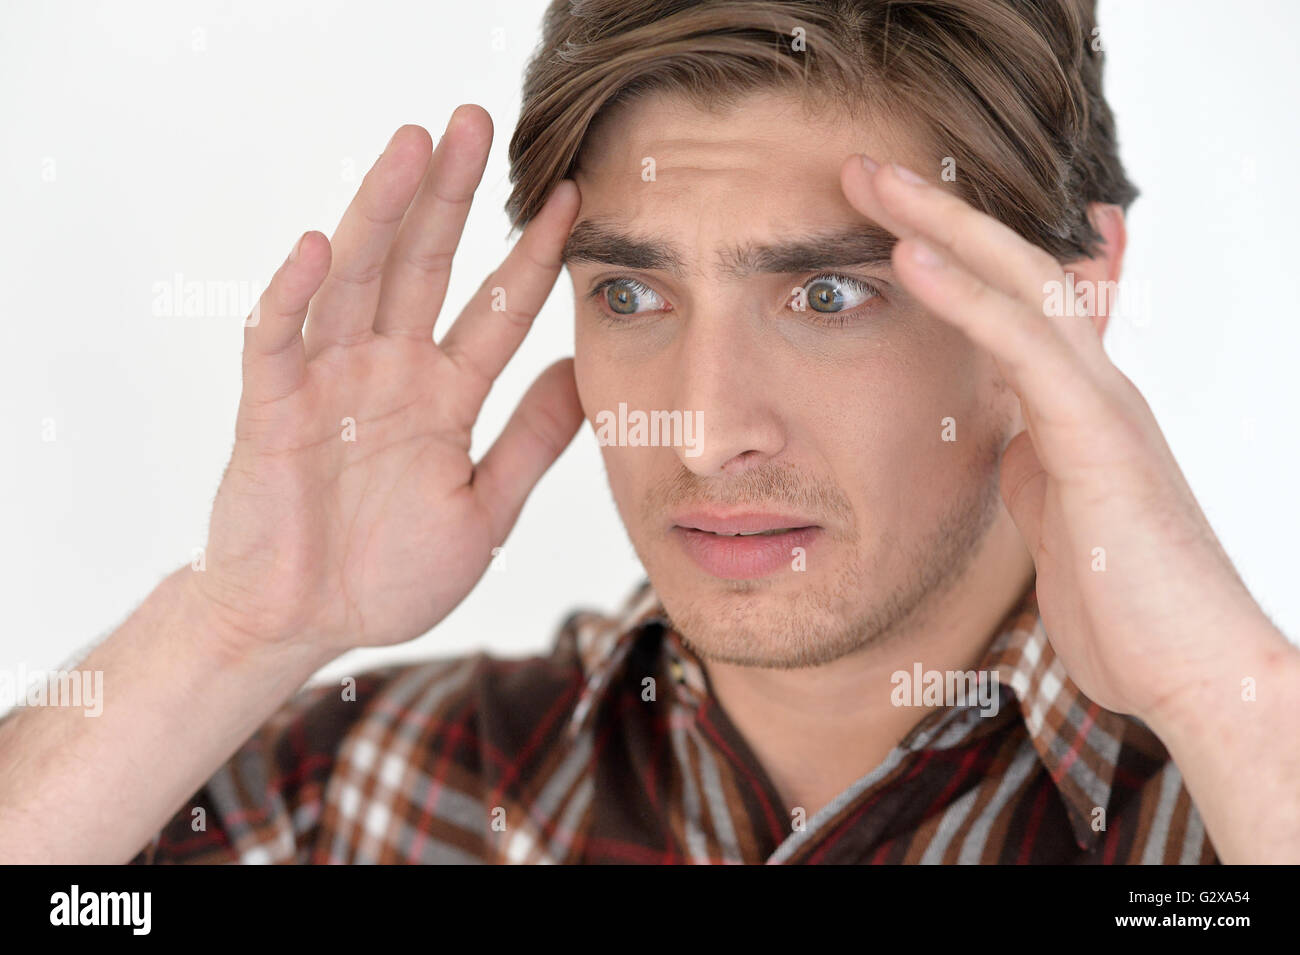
<point>378,499</point>
<point>1097,547</point>
<point>351,512</point>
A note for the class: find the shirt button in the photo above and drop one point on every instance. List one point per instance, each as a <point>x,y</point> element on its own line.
<point>675,667</point>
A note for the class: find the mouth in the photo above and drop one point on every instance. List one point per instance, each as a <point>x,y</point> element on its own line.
<point>746,546</point>
<point>778,530</point>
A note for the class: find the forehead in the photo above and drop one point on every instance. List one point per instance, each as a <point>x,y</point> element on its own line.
<point>752,171</point>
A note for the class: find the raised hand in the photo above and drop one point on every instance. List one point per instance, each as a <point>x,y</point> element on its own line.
<point>1138,597</point>
<point>351,513</point>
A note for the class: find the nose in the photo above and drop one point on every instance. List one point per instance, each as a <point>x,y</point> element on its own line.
<point>722,379</point>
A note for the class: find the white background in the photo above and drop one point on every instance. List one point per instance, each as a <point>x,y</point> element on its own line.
<point>130,155</point>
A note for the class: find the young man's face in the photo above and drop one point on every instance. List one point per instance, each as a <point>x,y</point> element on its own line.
<point>830,418</point>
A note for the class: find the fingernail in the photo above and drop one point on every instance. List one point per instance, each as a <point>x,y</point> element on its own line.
<point>869,164</point>
<point>924,254</point>
<point>907,175</point>
<point>293,256</point>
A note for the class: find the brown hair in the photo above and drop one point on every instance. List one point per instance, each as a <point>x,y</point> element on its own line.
<point>1010,89</point>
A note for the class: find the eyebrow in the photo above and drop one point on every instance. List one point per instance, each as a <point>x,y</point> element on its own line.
<point>595,240</point>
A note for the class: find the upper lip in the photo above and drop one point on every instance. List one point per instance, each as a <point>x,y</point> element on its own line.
<point>747,522</point>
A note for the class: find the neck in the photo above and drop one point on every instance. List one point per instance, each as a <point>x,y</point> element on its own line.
<point>817,730</point>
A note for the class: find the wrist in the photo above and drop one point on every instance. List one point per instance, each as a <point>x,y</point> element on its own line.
<point>1256,665</point>
<point>226,647</point>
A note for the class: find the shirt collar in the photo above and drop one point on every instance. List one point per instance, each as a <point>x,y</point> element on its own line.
<point>1076,740</point>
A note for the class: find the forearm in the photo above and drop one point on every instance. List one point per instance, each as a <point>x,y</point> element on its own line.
<point>1240,757</point>
<point>95,789</point>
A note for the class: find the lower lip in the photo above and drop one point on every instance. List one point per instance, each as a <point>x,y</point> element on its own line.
<point>743,558</point>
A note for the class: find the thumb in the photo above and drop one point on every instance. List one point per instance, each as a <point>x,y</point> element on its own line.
<point>542,426</point>
<point>1024,485</point>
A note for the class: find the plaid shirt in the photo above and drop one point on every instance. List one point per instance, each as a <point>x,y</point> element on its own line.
<point>560,759</point>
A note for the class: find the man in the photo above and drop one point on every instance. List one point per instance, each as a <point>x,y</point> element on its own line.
<point>925,583</point>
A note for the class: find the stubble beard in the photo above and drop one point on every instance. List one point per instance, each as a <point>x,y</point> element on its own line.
<point>816,625</point>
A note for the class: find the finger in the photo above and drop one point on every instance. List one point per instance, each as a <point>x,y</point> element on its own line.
<point>498,317</point>
<point>1024,488</point>
<point>985,246</point>
<point>1040,366</point>
<point>274,359</point>
<point>344,309</point>
<point>913,208</point>
<point>539,430</point>
<point>989,249</point>
<point>415,279</point>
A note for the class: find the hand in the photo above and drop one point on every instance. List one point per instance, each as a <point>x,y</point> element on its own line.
<point>351,513</point>
<point>1091,478</point>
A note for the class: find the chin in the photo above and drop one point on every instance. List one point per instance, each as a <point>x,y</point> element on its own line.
<point>784,620</point>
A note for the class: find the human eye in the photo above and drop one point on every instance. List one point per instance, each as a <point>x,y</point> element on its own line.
<point>625,297</point>
<point>832,299</point>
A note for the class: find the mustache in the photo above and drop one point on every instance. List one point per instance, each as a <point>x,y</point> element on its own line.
<point>772,486</point>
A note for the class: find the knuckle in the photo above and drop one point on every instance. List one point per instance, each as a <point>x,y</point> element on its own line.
<point>521,318</point>
<point>528,249</point>
<point>546,427</point>
<point>466,366</point>
<point>452,200</point>
<point>977,292</point>
<point>430,262</point>
<point>358,274</point>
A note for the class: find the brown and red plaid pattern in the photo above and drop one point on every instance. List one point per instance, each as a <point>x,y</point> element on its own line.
<point>562,759</point>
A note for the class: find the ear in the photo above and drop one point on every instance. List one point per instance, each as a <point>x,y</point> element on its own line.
<point>1108,260</point>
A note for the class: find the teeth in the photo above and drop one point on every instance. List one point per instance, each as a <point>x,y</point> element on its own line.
<point>754,533</point>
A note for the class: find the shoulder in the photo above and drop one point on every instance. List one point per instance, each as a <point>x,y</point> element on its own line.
<point>403,763</point>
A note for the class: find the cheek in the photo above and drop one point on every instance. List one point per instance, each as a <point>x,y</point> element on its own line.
<point>622,476</point>
<point>907,427</point>
<point>602,384</point>
<point>590,374</point>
